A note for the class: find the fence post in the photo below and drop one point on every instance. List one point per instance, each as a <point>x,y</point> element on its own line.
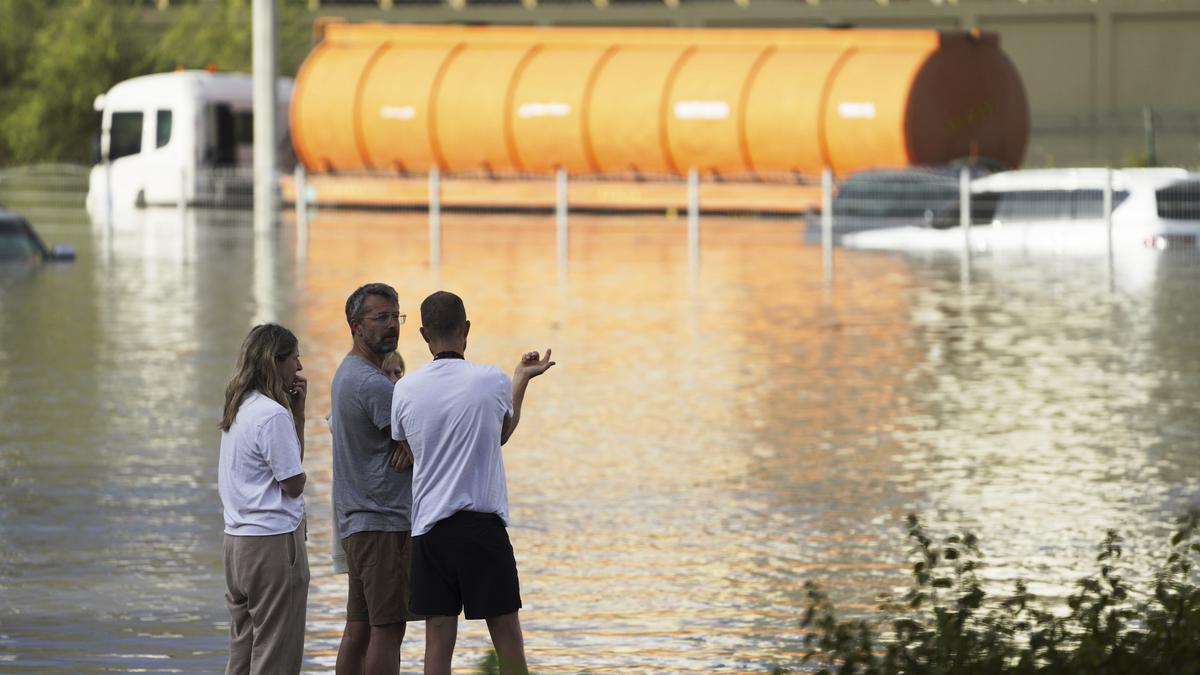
<point>1148,132</point>
<point>435,217</point>
<point>300,186</point>
<point>964,220</point>
<point>1108,222</point>
<point>182,192</point>
<point>693,222</point>
<point>827,225</point>
<point>560,220</point>
<point>108,192</point>
<point>300,181</point>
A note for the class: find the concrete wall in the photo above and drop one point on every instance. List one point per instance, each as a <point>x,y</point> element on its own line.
<point>1155,60</point>
<point>1115,84</point>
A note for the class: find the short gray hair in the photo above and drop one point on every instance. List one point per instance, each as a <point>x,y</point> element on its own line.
<point>354,303</point>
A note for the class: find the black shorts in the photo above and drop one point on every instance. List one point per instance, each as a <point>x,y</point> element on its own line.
<point>465,561</point>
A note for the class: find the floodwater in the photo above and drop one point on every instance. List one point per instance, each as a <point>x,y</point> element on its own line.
<point>711,439</point>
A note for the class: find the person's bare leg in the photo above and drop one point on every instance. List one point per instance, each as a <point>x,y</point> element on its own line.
<point>440,635</point>
<point>352,652</point>
<point>509,644</point>
<point>383,652</point>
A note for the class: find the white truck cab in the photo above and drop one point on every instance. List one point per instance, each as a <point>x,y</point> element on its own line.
<point>180,137</point>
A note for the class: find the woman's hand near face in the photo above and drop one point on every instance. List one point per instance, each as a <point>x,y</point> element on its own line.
<point>298,393</point>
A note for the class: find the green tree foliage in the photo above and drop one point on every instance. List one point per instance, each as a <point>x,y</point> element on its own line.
<point>77,53</point>
<point>220,34</point>
<point>57,56</point>
<point>19,22</point>
<point>946,624</point>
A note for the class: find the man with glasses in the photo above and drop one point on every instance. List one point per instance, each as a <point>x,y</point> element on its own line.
<point>372,487</point>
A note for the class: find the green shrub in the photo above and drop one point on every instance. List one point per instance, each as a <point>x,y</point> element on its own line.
<point>490,665</point>
<point>946,623</point>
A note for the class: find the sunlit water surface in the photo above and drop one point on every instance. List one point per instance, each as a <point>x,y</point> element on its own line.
<point>711,439</point>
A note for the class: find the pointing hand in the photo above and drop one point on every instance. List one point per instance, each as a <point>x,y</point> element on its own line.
<point>532,364</point>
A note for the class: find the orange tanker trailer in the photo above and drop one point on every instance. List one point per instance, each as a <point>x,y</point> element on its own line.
<point>391,102</point>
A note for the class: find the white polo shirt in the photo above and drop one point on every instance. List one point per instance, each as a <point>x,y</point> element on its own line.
<point>451,412</point>
<point>259,450</point>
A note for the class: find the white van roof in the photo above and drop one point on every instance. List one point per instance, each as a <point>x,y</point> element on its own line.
<point>1075,179</point>
<point>200,85</point>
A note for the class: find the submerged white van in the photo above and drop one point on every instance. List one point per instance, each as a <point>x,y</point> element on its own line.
<point>181,137</point>
<point>1061,211</point>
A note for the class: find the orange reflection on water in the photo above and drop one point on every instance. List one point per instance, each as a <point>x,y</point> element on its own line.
<point>657,519</point>
<point>706,444</point>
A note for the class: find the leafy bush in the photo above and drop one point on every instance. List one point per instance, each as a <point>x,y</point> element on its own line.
<point>490,665</point>
<point>946,623</point>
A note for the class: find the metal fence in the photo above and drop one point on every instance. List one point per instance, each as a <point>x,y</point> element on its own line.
<point>957,211</point>
<point>65,186</point>
<point>960,211</point>
<point>44,187</point>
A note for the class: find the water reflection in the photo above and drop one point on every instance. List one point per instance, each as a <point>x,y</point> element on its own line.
<point>706,445</point>
<point>1039,423</point>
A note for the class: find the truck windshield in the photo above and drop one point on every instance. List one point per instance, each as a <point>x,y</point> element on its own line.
<point>125,135</point>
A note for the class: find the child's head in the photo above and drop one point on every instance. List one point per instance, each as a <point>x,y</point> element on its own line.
<point>393,366</point>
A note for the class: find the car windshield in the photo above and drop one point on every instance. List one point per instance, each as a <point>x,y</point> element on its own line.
<point>15,245</point>
<point>894,197</point>
<point>1043,205</point>
<point>1180,201</point>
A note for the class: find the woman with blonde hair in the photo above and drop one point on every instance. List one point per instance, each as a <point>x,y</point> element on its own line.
<point>261,478</point>
<point>393,366</point>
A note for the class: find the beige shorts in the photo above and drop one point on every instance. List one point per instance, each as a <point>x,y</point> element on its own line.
<point>378,588</point>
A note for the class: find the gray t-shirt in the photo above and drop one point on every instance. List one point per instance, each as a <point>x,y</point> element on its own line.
<point>368,495</point>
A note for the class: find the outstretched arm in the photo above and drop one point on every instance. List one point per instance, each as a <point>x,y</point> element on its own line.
<point>529,367</point>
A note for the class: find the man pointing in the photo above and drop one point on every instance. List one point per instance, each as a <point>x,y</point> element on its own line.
<point>454,415</point>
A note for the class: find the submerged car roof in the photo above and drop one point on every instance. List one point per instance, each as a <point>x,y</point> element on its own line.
<point>1076,179</point>
<point>11,219</point>
<point>13,222</point>
<point>915,173</point>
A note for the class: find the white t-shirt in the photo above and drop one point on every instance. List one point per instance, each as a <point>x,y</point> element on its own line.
<point>259,450</point>
<point>451,412</point>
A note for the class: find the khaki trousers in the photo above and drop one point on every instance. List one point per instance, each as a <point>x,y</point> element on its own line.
<point>266,591</point>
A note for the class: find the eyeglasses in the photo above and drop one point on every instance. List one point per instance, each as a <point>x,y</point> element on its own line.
<point>385,317</point>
